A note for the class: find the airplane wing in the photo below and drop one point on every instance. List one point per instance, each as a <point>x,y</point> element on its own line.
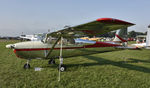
<point>97,27</point>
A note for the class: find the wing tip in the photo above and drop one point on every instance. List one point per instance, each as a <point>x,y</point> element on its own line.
<point>115,21</point>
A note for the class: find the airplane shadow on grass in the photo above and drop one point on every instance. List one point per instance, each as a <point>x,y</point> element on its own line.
<point>102,61</point>
<point>132,60</point>
<point>92,52</point>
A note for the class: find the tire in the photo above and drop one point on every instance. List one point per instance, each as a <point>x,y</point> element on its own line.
<point>62,68</point>
<point>51,61</point>
<point>26,66</point>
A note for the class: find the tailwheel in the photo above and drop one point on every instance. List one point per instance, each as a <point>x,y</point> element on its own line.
<point>51,61</point>
<point>26,66</point>
<point>62,68</point>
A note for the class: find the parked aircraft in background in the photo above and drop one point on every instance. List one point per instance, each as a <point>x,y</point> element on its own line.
<point>67,43</point>
<point>148,38</point>
<point>144,44</point>
<point>92,39</point>
<point>120,37</point>
<point>34,37</point>
<point>139,45</point>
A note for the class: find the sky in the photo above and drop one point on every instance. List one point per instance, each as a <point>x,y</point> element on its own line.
<point>37,16</point>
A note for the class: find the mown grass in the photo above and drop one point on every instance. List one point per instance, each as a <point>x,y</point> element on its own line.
<point>118,69</point>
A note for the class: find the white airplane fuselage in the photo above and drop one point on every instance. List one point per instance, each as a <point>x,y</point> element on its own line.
<point>39,50</point>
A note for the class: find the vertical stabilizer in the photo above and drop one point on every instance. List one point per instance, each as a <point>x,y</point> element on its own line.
<point>148,38</point>
<point>121,35</point>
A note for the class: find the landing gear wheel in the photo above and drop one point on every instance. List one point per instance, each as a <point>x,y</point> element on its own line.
<point>62,68</point>
<point>26,66</point>
<point>51,61</point>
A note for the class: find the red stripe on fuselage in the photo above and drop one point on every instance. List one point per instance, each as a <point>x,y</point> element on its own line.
<point>102,44</point>
<point>97,44</point>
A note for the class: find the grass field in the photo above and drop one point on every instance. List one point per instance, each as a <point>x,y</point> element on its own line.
<point>118,69</point>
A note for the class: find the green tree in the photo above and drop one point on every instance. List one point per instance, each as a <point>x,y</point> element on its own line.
<point>132,34</point>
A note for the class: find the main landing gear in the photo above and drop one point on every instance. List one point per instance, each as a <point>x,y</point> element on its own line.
<point>61,67</point>
<point>27,65</point>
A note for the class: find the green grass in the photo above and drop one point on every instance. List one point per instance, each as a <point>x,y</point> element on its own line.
<point>131,42</point>
<point>119,69</point>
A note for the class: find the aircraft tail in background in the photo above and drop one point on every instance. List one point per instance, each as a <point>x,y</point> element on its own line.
<point>148,38</point>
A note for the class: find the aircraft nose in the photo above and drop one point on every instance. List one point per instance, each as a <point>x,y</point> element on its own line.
<point>10,46</point>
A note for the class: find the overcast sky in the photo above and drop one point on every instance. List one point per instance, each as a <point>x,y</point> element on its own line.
<point>37,16</point>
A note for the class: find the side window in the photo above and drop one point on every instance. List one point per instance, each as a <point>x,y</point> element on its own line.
<point>68,41</point>
<point>51,40</point>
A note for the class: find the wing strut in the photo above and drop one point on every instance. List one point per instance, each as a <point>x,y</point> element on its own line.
<point>60,58</point>
<point>53,47</point>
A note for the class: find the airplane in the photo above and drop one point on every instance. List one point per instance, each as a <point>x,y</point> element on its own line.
<point>67,43</point>
<point>92,39</point>
<point>144,44</point>
<point>139,45</point>
<point>148,38</point>
<point>120,38</point>
<point>34,37</point>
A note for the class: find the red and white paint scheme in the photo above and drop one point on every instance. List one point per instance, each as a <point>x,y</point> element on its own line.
<point>66,42</point>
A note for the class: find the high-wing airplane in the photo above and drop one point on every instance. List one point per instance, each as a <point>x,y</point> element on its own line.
<point>66,43</point>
